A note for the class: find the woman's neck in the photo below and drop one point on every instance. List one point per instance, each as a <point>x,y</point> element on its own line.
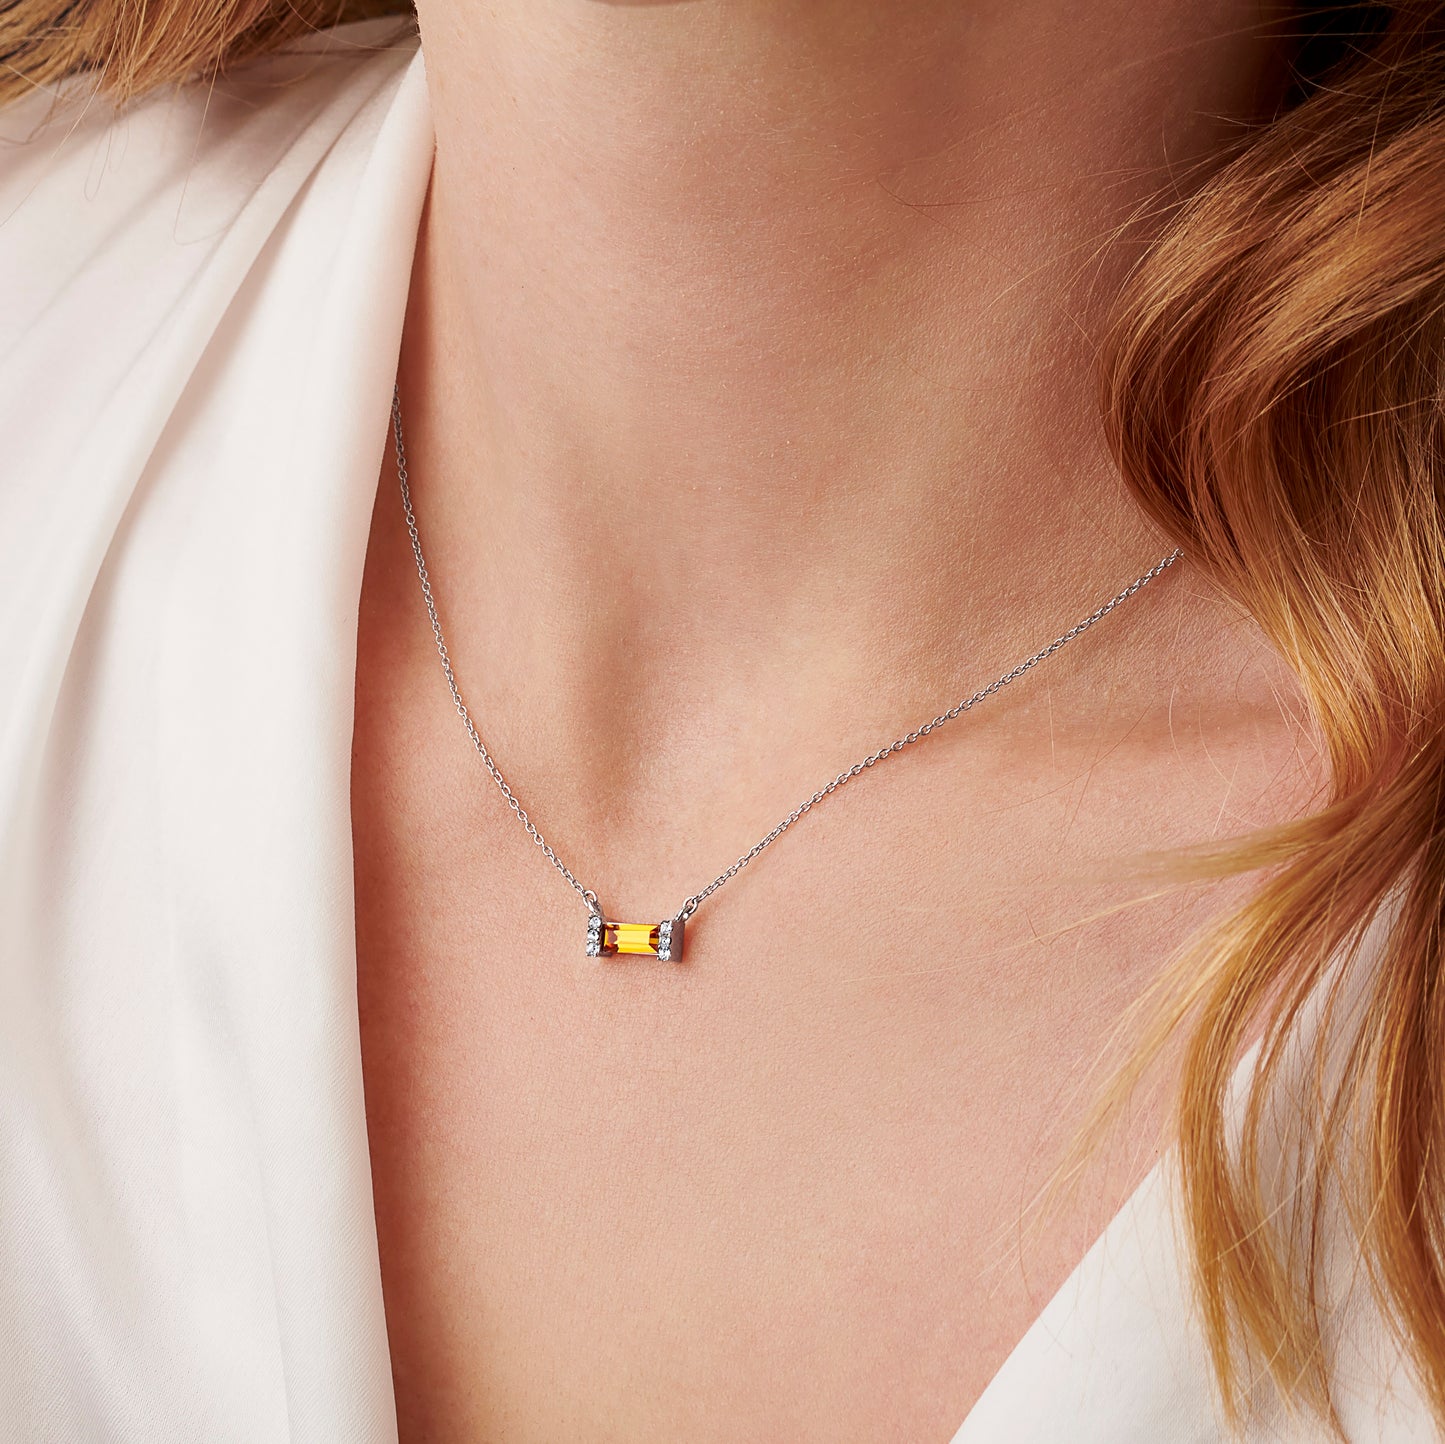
<point>767,326</point>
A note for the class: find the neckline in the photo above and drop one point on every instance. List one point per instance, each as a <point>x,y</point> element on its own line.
<point>1026,1343</point>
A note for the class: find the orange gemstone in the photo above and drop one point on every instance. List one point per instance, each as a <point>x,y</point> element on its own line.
<point>639,938</point>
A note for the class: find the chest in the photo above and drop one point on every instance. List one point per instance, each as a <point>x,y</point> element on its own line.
<point>780,1190</point>
<point>783,1189</point>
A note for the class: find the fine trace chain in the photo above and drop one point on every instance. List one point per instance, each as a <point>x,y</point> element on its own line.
<point>664,939</point>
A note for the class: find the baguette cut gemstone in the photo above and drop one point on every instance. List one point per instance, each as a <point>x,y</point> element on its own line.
<point>630,938</point>
<point>646,940</point>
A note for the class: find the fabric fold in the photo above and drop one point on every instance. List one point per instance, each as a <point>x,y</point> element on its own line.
<point>214,301</point>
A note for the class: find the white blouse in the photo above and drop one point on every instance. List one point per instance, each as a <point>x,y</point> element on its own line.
<point>201,305</point>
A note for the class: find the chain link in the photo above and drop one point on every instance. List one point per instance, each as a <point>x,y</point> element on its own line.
<point>585,893</point>
<point>908,739</point>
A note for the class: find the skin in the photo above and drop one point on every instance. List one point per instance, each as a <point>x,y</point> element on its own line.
<point>747,385</point>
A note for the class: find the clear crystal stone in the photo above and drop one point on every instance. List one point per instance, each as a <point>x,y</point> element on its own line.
<point>664,954</point>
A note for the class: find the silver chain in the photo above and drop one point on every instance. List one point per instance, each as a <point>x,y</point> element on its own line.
<point>691,905</point>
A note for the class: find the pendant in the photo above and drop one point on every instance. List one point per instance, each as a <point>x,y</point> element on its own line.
<point>649,940</point>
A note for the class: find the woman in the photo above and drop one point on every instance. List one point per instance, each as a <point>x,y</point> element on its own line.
<point>726,379</point>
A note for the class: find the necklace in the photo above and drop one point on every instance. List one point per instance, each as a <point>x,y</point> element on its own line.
<point>606,938</point>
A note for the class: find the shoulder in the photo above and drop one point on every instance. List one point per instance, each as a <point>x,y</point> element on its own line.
<point>134,240</point>
<point>209,252</point>
<point>96,202</point>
